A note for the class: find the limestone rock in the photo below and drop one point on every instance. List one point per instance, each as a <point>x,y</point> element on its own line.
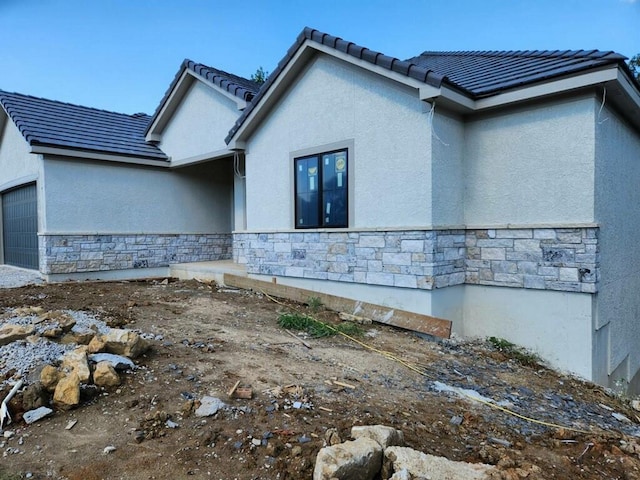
<point>421,465</point>
<point>67,393</point>
<point>49,377</point>
<point>53,332</point>
<point>360,459</point>
<point>332,437</point>
<point>401,475</point>
<point>119,362</point>
<point>105,375</point>
<point>65,321</point>
<point>209,406</point>
<point>79,335</point>
<point>385,436</point>
<point>34,396</point>
<point>76,361</point>
<point>97,344</point>
<point>10,333</point>
<point>125,342</point>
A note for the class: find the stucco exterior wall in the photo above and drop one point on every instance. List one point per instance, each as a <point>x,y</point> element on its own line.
<point>15,160</point>
<point>556,325</point>
<point>108,198</point>
<point>617,193</point>
<point>532,165</point>
<point>330,102</point>
<point>200,123</point>
<point>447,169</point>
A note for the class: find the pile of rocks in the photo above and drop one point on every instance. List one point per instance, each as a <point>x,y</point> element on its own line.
<point>89,357</point>
<point>378,452</point>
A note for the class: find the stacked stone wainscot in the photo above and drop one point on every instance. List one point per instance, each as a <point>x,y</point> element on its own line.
<point>564,259</point>
<point>89,253</point>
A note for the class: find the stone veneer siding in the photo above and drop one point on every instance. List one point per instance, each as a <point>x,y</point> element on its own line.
<point>90,253</point>
<point>564,259</point>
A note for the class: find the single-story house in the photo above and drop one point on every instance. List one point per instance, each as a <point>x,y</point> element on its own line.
<point>497,190</point>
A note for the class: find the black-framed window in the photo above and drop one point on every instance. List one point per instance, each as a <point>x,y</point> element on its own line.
<point>321,192</point>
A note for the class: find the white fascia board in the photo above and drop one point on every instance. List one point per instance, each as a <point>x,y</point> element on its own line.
<point>155,133</point>
<point>62,152</point>
<point>242,104</point>
<point>390,74</point>
<point>205,157</point>
<point>629,88</point>
<point>549,88</point>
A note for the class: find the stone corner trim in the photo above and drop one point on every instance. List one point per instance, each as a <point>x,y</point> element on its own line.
<point>90,253</point>
<point>563,259</point>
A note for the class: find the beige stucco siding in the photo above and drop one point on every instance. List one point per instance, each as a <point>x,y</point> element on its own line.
<point>617,192</point>
<point>532,165</point>
<point>330,102</point>
<point>200,123</point>
<point>102,197</point>
<point>15,160</point>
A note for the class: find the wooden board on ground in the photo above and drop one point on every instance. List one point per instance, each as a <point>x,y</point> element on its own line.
<point>389,316</point>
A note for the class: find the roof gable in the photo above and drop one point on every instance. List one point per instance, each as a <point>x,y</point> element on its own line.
<point>49,123</point>
<point>240,89</point>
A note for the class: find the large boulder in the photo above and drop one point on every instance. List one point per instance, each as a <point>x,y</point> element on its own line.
<point>385,436</point>
<point>67,393</point>
<point>105,375</point>
<point>10,333</point>
<point>124,342</point>
<point>421,465</point>
<point>49,377</point>
<point>360,459</point>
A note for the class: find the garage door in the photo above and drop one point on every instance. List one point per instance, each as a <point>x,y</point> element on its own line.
<point>20,227</point>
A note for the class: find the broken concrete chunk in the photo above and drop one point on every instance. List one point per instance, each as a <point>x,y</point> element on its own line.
<point>67,393</point>
<point>421,465</point>
<point>76,361</point>
<point>209,406</point>
<point>359,459</point>
<point>10,333</point>
<point>118,362</point>
<point>124,342</point>
<point>105,375</point>
<point>385,436</point>
<point>38,414</point>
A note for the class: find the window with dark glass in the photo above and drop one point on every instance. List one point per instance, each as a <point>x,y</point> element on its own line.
<point>321,190</point>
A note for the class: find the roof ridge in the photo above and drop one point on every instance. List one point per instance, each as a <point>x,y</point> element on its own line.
<point>223,72</point>
<point>526,53</point>
<point>69,104</point>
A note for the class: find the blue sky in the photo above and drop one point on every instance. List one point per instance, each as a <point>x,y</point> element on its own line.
<point>121,55</point>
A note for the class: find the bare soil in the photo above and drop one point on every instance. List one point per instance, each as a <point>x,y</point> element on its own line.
<point>207,339</point>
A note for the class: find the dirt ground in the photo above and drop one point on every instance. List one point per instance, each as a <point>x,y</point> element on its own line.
<point>207,339</point>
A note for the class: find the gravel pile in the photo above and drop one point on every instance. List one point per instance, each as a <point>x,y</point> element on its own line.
<point>21,358</point>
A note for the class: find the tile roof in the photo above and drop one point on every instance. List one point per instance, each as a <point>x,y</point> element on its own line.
<point>477,74</point>
<point>485,73</point>
<point>240,87</point>
<point>56,124</point>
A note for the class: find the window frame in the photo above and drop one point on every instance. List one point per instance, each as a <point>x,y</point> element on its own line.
<point>319,153</point>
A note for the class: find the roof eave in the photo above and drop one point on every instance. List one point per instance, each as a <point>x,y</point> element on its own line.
<point>94,155</point>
